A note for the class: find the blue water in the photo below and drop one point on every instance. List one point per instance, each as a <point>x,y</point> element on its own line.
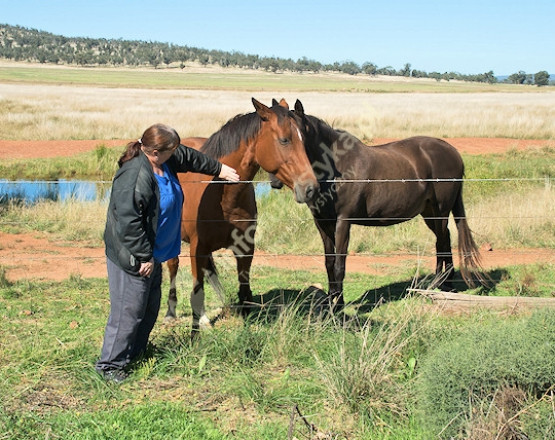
<point>29,192</point>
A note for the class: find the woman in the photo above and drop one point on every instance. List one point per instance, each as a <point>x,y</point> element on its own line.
<point>143,229</point>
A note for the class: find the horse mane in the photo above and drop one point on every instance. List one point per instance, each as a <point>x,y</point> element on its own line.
<point>325,130</point>
<point>243,127</point>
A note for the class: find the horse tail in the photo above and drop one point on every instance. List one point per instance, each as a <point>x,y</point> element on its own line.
<point>469,253</point>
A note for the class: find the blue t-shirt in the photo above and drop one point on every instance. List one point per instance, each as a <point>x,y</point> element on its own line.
<point>168,236</point>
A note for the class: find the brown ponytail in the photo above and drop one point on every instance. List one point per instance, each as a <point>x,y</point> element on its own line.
<point>156,137</point>
<point>133,149</point>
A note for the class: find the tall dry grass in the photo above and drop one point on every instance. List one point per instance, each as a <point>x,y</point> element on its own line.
<point>41,112</point>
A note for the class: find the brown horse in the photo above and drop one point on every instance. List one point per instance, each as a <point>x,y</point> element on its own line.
<point>385,185</point>
<point>217,215</point>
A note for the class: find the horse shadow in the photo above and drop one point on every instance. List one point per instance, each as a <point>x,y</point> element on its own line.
<point>269,305</point>
<point>371,299</point>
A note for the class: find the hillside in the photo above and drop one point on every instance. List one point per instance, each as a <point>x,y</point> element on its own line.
<point>22,44</point>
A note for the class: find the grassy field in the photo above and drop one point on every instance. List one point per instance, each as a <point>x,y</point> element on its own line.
<point>392,367</point>
<point>215,78</point>
<point>352,378</point>
<point>90,104</point>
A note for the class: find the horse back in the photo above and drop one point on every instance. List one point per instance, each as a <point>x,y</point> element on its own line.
<point>402,180</point>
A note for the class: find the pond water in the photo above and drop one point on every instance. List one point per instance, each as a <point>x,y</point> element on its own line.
<point>33,191</point>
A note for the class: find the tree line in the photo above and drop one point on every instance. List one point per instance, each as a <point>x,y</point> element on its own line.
<point>23,44</point>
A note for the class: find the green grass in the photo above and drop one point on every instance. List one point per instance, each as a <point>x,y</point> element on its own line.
<point>522,169</point>
<point>352,378</point>
<point>239,81</point>
<point>99,164</point>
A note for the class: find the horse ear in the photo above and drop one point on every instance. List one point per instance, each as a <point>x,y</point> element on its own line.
<point>299,108</point>
<point>274,102</point>
<point>263,111</point>
<point>283,103</point>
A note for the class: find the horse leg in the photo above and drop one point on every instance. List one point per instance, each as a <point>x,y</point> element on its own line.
<point>244,263</point>
<point>329,255</point>
<point>198,264</point>
<point>342,235</point>
<point>211,275</point>
<point>444,255</point>
<point>173,266</point>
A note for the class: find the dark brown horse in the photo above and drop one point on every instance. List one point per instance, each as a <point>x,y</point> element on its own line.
<point>217,215</point>
<point>385,185</point>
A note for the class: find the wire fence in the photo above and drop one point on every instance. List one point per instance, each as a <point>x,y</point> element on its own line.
<point>417,255</point>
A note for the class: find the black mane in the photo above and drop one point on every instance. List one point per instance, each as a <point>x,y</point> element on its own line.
<point>243,127</point>
<point>323,130</point>
<point>227,139</point>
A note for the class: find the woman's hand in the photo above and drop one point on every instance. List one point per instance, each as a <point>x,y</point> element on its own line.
<point>146,268</point>
<point>228,173</point>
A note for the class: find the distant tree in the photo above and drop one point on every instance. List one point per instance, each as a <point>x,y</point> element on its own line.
<point>419,74</point>
<point>204,59</point>
<point>488,77</point>
<point>350,67</point>
<point>304,64</point>
<point>435,75</point>
<point>492,79</point>
<point>335,67</point>
<point>84,57</point>
<point>517,78</point>
<point>270,64</point>
<point>405,71</point>
<point>166,58</point>
<point>388,70</point>
<point>541,78</point>
<point>369,68</point>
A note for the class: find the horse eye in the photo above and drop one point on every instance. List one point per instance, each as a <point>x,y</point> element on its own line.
<point>284,141</point>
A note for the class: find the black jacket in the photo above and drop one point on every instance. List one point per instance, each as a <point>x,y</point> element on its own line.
<point>132,216</point>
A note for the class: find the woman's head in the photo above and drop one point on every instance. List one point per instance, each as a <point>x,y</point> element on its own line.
<point>157,137</point>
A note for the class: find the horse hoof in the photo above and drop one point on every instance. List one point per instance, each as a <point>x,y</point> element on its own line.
<point>336,302</point>
<point>204,323</point>
<point>169,318</point>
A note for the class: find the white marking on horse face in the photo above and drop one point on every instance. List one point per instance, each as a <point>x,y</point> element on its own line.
<point>299,133</point>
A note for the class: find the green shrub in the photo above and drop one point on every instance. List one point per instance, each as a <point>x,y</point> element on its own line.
<point>469,371</point>
<point>539,421</point>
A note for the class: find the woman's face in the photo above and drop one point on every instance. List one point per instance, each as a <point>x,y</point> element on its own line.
<point>160,156</point>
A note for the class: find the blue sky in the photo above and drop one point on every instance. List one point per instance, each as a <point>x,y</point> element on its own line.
<point>465,36</point>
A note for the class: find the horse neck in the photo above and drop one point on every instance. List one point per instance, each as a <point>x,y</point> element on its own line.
<point>243,161</point>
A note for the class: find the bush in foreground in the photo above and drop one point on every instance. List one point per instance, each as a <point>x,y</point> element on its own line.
<point>491,379</point>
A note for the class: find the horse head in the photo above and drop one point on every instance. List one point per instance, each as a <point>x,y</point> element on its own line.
<point>281,151</point>
<point>319,140</point>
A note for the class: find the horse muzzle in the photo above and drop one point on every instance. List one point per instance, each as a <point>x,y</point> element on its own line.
<point>306,192</point>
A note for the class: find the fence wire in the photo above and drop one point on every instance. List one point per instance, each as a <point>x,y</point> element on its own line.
<point>420,254</point>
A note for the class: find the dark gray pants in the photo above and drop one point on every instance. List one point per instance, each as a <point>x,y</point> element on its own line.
<point>134,307</point>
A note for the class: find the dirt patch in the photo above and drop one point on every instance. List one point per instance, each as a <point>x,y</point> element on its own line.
<point>38,149</point>
<point>33,255</point>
